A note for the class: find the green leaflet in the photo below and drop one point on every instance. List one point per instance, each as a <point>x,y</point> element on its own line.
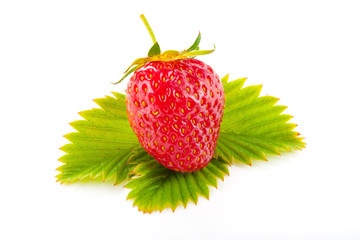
<point>101,146</point>
<point>154,50</point>
<point>253,126</point>
<point>105,148</point>
<point>195,45</point>
<point>158,188</point>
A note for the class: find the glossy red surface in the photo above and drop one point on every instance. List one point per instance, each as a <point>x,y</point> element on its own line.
<point>175,109</point>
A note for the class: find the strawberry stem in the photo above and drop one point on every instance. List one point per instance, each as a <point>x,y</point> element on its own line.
<point>155,54</point>
<point>147,25</point>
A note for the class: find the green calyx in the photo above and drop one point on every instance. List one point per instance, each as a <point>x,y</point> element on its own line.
<point>155,53</point>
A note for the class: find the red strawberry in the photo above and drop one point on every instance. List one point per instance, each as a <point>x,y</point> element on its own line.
<point>175,108</point>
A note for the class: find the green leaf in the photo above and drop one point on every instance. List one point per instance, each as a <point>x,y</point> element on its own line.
<point>128,72</point>
<point>253,126</point>
<point>139,61</point>
<point>139,156</point>
<point>198,52</point>
<point>170,52</point>
<point>105,148</point>
<point>195,44</point>
<point>158,188</point>
<point>154,50</point>
<point>101,146</point>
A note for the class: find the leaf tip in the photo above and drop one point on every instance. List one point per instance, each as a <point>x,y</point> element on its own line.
<point>225,79</point>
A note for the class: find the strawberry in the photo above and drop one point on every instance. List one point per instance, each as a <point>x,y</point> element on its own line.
<point>175,109</point>
<point>175,106</point>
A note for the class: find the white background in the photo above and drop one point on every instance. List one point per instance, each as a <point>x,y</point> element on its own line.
<point>56,56</point>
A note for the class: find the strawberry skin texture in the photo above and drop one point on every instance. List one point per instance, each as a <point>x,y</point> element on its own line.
<point>175,108</point>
